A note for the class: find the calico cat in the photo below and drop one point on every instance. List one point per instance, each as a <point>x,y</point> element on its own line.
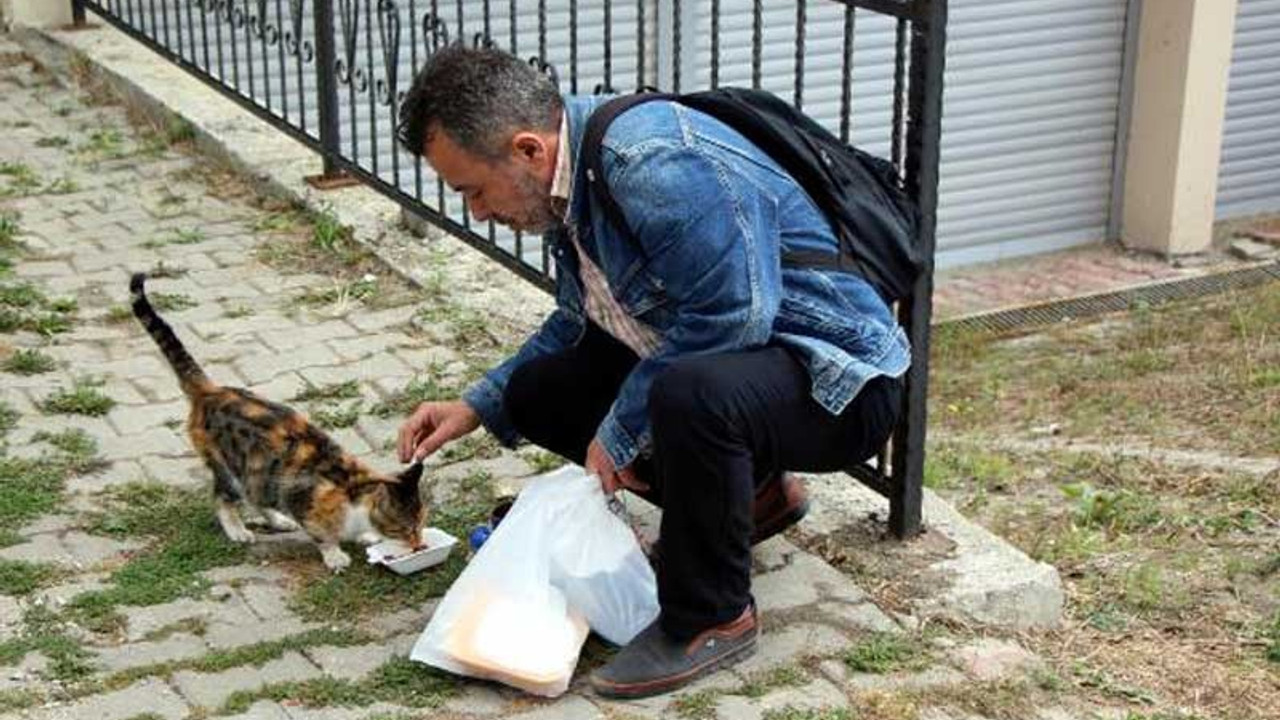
<point>272,457</point>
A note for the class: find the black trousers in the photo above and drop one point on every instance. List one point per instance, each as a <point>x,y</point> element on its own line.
<point>722,424</point>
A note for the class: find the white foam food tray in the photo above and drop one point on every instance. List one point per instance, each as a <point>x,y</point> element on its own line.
<point>400,559</point>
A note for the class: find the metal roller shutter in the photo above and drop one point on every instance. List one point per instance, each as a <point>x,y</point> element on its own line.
<point>1249,176</point>
<point>1031,108</point>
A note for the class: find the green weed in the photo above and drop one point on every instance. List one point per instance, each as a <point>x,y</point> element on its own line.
<point>418,390</point>
<point>884,652</point>
<point>348,390</point>
<point>83,398</point>
<point>400,681</point>
<point>334,418</point>
<point>28,361</point>
<point>18,577</point>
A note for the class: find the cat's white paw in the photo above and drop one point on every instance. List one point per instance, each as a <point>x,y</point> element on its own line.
<point>280,522</point>
<point>335,559</point>
<point>239,534</point>
<point>369,538</point>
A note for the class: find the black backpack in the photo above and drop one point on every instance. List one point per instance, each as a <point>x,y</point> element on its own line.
<point>859,193</point>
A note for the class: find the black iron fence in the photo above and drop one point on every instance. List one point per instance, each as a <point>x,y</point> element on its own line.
<point>331,73</point>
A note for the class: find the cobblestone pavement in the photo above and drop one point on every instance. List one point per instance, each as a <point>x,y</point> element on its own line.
<point>116,605</point>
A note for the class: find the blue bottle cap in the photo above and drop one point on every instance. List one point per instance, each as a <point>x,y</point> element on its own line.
<point>478,535</point>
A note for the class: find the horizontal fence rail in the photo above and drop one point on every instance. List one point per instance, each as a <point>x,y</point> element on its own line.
<point>331,74</point>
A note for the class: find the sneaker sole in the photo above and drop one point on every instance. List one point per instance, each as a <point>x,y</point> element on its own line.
<point>666,685</point>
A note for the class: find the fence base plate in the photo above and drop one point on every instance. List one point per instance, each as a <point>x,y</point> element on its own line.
<point>332,180</point>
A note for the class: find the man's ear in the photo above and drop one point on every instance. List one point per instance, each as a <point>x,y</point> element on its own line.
<point>530,147</point>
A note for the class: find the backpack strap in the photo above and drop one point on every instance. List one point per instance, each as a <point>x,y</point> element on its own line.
<point>591,157</point>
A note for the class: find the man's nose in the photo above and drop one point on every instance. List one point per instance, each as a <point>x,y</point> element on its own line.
<point>479,210</point>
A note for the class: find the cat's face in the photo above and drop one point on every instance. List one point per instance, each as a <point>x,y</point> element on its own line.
<point>397,512</point>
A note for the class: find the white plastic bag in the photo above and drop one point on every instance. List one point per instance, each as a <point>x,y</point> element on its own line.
<point>559,562</point>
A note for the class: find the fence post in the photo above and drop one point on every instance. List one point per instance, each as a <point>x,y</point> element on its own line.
<point>77,14</point>
<point>928,44</point>
<point>332,175</point>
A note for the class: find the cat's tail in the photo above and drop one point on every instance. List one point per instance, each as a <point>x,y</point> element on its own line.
<point>190,375</point>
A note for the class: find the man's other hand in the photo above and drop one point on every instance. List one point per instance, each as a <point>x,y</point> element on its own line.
<point>611,479</point>
<point>432,425</point>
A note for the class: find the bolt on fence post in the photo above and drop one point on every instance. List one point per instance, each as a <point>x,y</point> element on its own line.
<point>327,103</point>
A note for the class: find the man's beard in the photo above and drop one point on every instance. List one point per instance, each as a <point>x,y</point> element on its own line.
<point>540,216</point>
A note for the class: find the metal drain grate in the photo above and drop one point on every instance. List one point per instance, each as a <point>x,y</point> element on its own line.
<point>1034,316</point>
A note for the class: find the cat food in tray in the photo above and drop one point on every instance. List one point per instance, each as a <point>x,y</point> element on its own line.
<point>402,560</point>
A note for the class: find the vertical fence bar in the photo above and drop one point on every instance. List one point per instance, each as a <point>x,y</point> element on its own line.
<point>373,101</point>
<point>77,13</point>
<point>757,41</point>
<point>846,75</point>
<point>677,39</point>
<point>573,46</point>
<point>801,24</point>
<point>924,133</point>
<point>642,44</point>
<point>899,92</point>
<point>327,87</point>
<point>715,44</point>
<point>608,45</point>
<point>515,48</point>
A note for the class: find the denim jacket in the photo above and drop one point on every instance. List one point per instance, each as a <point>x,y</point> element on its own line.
<point>711,214</point>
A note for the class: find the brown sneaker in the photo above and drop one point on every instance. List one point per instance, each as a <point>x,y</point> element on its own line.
<point>655,663</point>
<point>779,504</point>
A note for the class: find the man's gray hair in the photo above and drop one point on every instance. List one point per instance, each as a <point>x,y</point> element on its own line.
<point>480,97</point>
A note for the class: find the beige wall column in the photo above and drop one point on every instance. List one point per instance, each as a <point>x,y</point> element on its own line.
<point>37,13</point>
<point>1175,132</point>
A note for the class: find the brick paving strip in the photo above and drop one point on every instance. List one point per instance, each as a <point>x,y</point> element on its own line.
<point>107,204</point>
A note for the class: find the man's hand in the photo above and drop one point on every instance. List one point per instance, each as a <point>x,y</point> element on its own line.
<point>601,465</point>
<point>432,425</point>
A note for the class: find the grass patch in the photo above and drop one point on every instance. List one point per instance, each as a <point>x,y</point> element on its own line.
<point>24,307</point>
<point>44,631</point>
<point>400,681</point>
<point>758,684</point>
<point>341,294</point>
<point>18,577</point>
<point>29,361</point>
<point>103,144</point>
<point>883,653</point>
<point>77,449</point>
<point>420,389</point>
<point>348,390</point>
<point>29,488</point>
<point>476,446</point>
<point>8,418</point>
<point>185,540</point>
<point>21,179</point>
<point>336,418</point>
<point>53,141</point>
<point>239,311</point>
<point>791,713</point>
<point>171,302</point>
<point>543,461</point>
<point>82,398</point>
<point>697,706</point>
<point>186,236</point>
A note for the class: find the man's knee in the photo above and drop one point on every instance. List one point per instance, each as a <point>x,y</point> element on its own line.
<point>689,388</point>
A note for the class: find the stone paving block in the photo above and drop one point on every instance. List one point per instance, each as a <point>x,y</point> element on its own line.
<point>10,617</point>
<point>211,690</point>
<point>352,442</point>
<point>783,589</point>
<point>60,595</point>
<point>53,523</point>
<point>180,646</point>
<point>40,548</point>
<point>281,388</point>
<point>566,707</point>
<point>789,644</point>
<point>270,322</point>
<point>351,663</point>
<point>135,419</point>
<point>860,616</point>
<point>150,694</point>
<point>308,334</point>
<point>382,319</point>
<point>376,710</point>
<point>179,472</point>
<point>153,441</point>
<point>990,659</point>
<point>84,550</point>
<point>261,368</point>
<point>934,677</point>
<point>356,348</point>
<point>422,358</point>
<point>268,602</point>
<point>243,574</point>
<point>142,621</point>
<point>247,630</point>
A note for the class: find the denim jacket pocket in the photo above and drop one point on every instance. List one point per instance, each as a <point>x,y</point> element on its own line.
<point>644,296</point>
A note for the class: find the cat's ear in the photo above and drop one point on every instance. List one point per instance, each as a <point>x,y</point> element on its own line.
<point>411,475</point>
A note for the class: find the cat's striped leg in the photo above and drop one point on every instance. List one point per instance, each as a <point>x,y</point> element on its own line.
<point>279,521</point>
